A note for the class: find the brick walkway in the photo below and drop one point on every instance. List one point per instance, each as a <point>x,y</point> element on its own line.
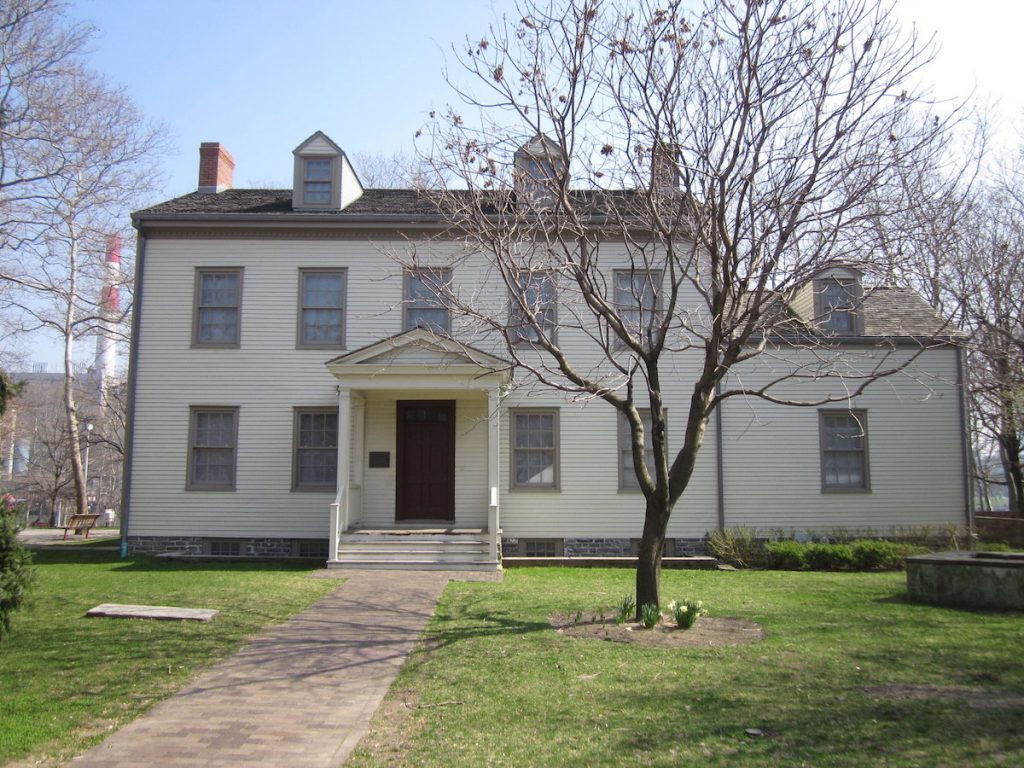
<point>301,695</point>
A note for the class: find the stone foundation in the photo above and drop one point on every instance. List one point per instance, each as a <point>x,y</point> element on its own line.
<point>600,547</point>
<point>199,546</point>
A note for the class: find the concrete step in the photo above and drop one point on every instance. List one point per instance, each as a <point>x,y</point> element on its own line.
<point>433,555</point>
<point>414,565</point>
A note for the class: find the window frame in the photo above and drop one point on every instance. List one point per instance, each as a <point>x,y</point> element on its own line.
<point>555,484</point>
<point>200,272</point>
<point>300,342</point>
<point>861,416</point>
<point>517,318</point>
<point>442,275</point>
<point>625,444</point>
<point>620,308</point>
<point>297,413</point>
<point>305,180</point>
<point>851,309</point>
<point>191,484</point>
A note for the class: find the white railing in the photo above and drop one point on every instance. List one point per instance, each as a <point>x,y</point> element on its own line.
<point>494,525</point>
<point>339,522</point>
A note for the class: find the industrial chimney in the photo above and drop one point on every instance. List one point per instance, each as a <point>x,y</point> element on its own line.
<point>110,309</point>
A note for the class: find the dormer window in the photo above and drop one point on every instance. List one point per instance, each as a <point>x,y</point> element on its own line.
<point>837,305</point>
<point>536,167</point>
<point>316,183</point>
<point>324,179</point>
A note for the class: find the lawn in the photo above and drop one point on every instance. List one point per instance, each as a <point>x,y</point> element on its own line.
<point>66,680</point>
<point>849,674</point>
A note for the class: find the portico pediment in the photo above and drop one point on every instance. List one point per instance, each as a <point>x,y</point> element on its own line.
<point>422,354</point>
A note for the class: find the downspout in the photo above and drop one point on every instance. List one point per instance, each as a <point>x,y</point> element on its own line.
<point>133,364</point>
<point>720,456</point>
<point>965,439</point>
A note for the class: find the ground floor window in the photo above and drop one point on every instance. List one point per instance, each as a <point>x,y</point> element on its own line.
<point>534,441</point>
<point>844,450</point>
<point>213,448</point>
<point>316,449</point>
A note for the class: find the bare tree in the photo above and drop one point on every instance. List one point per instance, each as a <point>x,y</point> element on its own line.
<point>399,171</point>
<point>102,165</point>
<point>678,179</point>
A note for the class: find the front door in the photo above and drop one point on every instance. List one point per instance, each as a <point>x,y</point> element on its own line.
<point>425,465</point>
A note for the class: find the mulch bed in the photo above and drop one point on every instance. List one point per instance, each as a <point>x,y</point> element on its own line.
<point>708,632</point>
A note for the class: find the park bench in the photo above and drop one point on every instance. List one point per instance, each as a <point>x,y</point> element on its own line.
<point>79,523</point>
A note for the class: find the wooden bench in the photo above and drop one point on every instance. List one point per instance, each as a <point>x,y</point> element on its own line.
<point>79,523</point>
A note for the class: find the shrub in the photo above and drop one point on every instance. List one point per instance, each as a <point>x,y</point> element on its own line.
<point>829,557</point>
<point>687,612</point>
<point>787,555</point>
<point>738,547</point>
<point>16,572</point>
<point>650,614</point>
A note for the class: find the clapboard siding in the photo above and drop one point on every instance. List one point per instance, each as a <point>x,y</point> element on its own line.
<point>772,454</point>
<point>772,467</point>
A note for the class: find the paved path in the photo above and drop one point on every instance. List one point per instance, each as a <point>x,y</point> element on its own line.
<point>301,695</point>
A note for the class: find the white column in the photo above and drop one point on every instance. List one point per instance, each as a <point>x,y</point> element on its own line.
<point>358,459</point>
<point>339,509</point>
<point>493,469</point>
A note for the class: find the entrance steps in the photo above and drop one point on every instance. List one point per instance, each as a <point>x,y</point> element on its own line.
<point>422,549</point>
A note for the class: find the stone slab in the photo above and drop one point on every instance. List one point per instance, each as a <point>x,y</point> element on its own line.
<point>159,612</point>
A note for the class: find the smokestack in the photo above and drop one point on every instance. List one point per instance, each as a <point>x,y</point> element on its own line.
<point>110,309</point>
<point>216,167</point>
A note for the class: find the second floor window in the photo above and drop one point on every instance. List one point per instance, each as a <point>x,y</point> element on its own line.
<point>316,182</point>
<point>322,308</point>
<point>218,305</point>
<point>424,305</point>
<point>627,474</point>
<point>536,290</point>
<point>636,297</point>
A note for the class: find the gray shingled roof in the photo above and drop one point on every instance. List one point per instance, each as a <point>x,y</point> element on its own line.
<point>891,311</point>
<point>279,202</point>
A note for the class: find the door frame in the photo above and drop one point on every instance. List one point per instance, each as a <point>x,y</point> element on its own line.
<point>401,514</point>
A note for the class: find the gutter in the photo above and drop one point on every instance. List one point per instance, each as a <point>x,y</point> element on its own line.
<point>965,439</point>
<point>720,457</point>
<point>133,364</point>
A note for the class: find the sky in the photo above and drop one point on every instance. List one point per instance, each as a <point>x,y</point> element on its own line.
<point>260,76</point>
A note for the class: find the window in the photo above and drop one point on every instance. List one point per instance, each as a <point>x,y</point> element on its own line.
<point>218,302</point>
<point>322,308</point>
<point>636,296</point>
<point>316,449</point>
<point>537,292</point>
<point>844,450</point>
<point>224,547</point>
<point>534,448</point>
<point>541,547</point>
<point>627,476</point>
<point>213,448</point>
<point>837,300</point>
<point>316,181</point>
<point>424,303</point>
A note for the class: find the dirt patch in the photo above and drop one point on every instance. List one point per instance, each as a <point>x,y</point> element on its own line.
<point>709,631</point>
<point>976,698</point>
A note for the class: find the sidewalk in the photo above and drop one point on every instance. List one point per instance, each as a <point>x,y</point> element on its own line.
<point>302,694</point>
<point>47,537</point>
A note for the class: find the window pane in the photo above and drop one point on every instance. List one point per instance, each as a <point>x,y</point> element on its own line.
<point>218,326</point>
<point>533,456</point>
<point>318,170</point>
<point>837,305</point>
<point>218,289</point>
<point>322,326</point>
<point>317,192</point>
<point>537,292</point>
<point>217,308</point>
<point>215,430</point>
<point>844,450</point>
<point>212,461</point>
<point>431,319</point>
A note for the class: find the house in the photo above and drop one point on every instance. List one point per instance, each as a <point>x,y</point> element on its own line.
<point>296,391</point>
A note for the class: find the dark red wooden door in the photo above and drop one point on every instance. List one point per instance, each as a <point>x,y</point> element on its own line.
<point>425,465</point>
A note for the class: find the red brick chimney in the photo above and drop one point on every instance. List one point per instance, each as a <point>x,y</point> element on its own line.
<point>216,167</point>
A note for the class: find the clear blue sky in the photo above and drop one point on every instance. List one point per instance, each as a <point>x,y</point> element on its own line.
<point>261,75</point>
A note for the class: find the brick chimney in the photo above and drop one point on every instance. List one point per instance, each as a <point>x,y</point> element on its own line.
<point>216,167</point>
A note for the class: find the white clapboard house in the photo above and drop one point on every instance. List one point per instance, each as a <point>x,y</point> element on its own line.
<point>296,392</point>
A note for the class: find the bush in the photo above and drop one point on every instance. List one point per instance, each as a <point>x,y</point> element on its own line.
<point>829,557</point>
<point>787,555</point>
<point>738,547</point>
<point>16,572</point>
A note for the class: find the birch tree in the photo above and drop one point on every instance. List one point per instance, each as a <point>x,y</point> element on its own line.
<point>732,154</point>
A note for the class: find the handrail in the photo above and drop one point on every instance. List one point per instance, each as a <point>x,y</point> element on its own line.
<point>493,525</point>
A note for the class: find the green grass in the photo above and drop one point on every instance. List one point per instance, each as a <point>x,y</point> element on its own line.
<point>66,680</point>
<point>493,685</point>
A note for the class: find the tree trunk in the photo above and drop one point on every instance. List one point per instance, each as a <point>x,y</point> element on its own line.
<point>1011,446</point>
<point>70,407</point>
<point>648,567</point>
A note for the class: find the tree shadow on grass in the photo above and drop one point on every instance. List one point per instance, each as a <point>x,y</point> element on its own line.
<point>144,563</point>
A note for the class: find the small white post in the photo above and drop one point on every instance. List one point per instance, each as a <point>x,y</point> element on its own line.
<point>493,469</point>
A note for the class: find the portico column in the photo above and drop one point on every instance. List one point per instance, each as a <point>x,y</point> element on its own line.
<point>339,510</point>
<point>493,469</point>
